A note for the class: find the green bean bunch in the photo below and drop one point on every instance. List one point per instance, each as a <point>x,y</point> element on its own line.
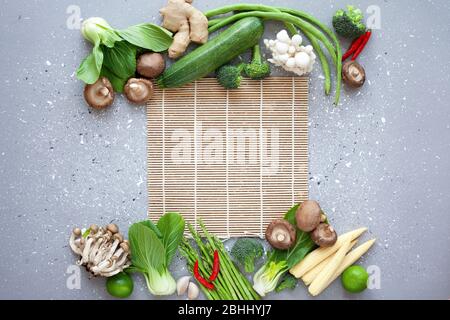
<point>230,283</point>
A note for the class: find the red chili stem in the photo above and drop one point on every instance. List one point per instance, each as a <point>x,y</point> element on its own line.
<point>216,266</point>
<point>200,279</point>
<point>363,45</point>
<point>353,47</point>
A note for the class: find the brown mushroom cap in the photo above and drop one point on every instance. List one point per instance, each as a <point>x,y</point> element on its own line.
<point>100,94</point>
<point>280,234</point>
<point>308,215</point>
<point>93,228</point>
<point>125,247</point>
<point>112,227</point>
<point>76,232</point>
<point>150,65</point>
<point>324,235</point>
<point>353,74</point>
<point>118,237</point>
<point>138,91</point>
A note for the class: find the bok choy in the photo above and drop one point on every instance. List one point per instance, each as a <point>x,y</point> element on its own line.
<point>279,262</point>
<point>114,52</point>
<point>153,248</point>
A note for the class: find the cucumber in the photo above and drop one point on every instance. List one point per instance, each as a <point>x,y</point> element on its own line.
<point>235,40</point>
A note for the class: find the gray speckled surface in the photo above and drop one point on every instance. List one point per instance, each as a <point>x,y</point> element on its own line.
<point>381,159</point>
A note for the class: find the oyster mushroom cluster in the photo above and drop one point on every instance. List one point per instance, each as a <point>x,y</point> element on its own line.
<point>104,252</point>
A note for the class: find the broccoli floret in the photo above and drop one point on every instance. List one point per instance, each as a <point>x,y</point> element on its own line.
<point>257,69</point>
<point>349,24</point>
<point>288,282</point>
<point>230,76</point>
<point>245,251</point>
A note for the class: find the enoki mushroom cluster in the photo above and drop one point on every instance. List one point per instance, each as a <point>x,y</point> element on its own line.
<point>103,251</point>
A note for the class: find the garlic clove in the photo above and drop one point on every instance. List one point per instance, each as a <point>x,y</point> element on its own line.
<point>193,291</point>
<point>182,285</point>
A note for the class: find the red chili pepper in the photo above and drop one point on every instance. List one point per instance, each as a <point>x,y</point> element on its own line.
<point>216,266</point>
<point>363,44</point>
<point>354,46</point>
<point>200,279</point>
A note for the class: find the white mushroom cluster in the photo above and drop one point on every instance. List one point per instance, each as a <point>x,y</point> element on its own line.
<point>103,252</point>
<point>290,54</point>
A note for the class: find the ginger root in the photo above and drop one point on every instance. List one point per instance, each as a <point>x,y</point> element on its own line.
<point>189,23</point>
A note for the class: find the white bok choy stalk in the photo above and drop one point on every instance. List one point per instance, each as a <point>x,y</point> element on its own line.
<point>266,278</point>
<point>97,31</point>
<point>153,247</point>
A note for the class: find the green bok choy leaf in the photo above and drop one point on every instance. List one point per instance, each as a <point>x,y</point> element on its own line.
<point>153,248</point>
<point>114,52</point>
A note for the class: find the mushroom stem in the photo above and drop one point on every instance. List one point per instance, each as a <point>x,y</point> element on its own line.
<point>117,240</point>
<point>73,244</point>
<point>115,264</point>
<point>102,265</point>
<point>112,273</point>
<point>117,254</point>
<point>86,251</point>
<point>112,249</point>
<point>104,91</point>
<point>101,253</point>
<point>95,248</point>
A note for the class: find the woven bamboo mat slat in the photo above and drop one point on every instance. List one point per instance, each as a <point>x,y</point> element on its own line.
<point>207,158</point>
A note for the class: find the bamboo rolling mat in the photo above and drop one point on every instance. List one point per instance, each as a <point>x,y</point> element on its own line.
<point>237,159</point>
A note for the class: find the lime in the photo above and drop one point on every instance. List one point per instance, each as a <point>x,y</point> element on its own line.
<point>354,279</point>
<point>120,286</point>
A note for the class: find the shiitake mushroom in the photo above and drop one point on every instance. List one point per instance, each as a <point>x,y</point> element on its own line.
<point>100,94</point>
<point>281,234</point>
<point>308,215</point>
<point>324,235</point>
<point>138,91</point>
<point>150,64</point>
<point>353,74</point>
